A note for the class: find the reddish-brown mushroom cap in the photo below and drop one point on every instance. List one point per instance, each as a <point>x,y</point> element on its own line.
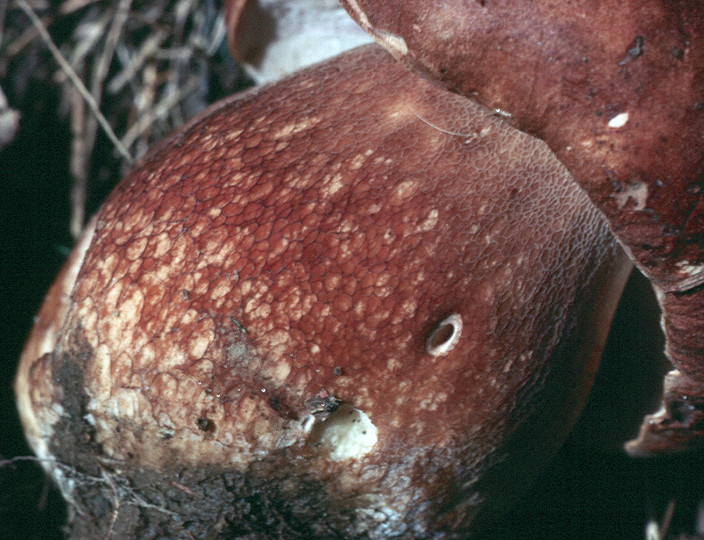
<point>350,243</point>
<point>616,89</point>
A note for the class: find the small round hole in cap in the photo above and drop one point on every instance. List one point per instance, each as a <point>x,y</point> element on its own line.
<point>444,335</point>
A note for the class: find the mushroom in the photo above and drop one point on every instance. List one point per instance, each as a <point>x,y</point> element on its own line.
<point>348,304</point>
<point>616,89</point>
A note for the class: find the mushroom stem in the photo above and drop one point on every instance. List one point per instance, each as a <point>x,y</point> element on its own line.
<point>272,38</point>
<point>616,89</point>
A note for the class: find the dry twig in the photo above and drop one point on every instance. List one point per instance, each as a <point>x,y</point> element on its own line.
<point>74,78</point>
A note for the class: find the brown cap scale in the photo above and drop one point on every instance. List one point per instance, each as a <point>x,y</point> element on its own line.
<point>347,304</point>
<point>616,89</point>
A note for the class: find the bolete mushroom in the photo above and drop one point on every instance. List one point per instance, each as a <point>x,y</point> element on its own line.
<point>349,304</point>
<point>616,89</point>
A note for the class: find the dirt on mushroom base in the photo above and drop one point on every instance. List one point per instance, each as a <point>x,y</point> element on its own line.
<point>122,498</point>
<point>125,500</point>
<point>109,497</point>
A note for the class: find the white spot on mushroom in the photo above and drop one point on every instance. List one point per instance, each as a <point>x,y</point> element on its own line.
<point>634,191</point>
<point>101,373</point>
<point>619,120</point>
<point>444,335</point>
<point>307,423</point>
<point>202,337</point>
<point>334,184</point>
<point>689,269</point>
<point>430,221</point>
<point>278,371</point>
<point>433,401</point>
<point>393,364</point>
<point>295,127</point>
<point>347,434</point>
<point>403,191</point>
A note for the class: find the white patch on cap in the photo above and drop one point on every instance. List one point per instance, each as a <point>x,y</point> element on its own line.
<point>619,120</point>
<point>688,268</point>
<point>635,193</point>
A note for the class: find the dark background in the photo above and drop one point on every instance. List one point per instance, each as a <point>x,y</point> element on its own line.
<point>591,489</point>
<point>34,203</point>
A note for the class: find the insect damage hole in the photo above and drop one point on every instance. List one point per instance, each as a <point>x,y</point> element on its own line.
<point>444,335</point>
<point>348,433</point>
